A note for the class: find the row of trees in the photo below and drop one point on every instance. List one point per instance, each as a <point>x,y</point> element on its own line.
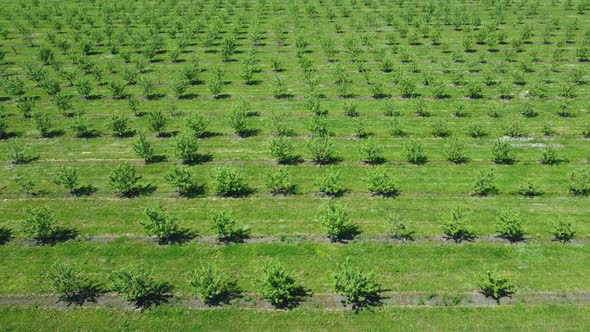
<point>215,287</point>
<point>232,182</point>
<point>334,219</point>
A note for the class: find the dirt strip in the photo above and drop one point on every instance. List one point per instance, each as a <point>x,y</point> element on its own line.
<point>315,301</point>
<point>302,238</point>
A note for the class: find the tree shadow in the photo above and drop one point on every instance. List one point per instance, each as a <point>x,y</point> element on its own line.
<point>54,133</point>
<point>222,96</point>
<point>250,132</point>
<point>348,234</point>
<point>512,239</point>
<point>370,300</point>
<point>375,161</point>
<point>188,96</point>
<point>156,159</point>
<point>88,293</point>
<point>332,160</point>
<point>181,236</point>
<point>293,160</point>
<point>193,191</point>
<point>244,192</point>
<point>25,160</point>
<point>59,234</point>
<point>159,295</point>
<point>207,134</point>
<point>94,97</point>
<point>89,134</point>
<point>5,235</point>
<point>238,236</point>
<point>87,190</point>
<point>126,134</point>
<point>232,291</point>
<point>298,295</point>
<point>155,96</point>
<point>8,135</point>
<point>145,190</point>
<point>460,238</point>
<point>284,96</point>
<point>199,159</point>
<point>387,194</point>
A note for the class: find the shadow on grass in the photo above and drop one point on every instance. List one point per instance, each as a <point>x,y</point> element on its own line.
<point>370,300</point>
<point>250,132</point>
<point>200,159</point>
<point>156,159</point>
<point>5,235</point>
<point>181,236</point>
<point>239,236</point>
<point>84,190</point>
<point>88,293</point>
<point>59,234</point>
<point>298,295</point>
<point>346,235</point>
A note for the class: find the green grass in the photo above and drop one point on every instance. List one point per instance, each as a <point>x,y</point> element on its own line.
<point>558,33</point>
<point>516,318</point>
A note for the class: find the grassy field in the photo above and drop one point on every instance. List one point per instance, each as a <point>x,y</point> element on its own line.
<point>432,70</point>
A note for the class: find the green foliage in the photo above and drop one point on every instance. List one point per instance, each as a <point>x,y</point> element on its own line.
<point>68,178</point>
<point>549,156</point>
<point>160,223</point>
<point>380,182</point>
<point>402,230</point>
<point>143,148</point>
<point>26,184</point>
<point>279,87</point>
<point>485,183</point>
<point>439,128</point>
<point>351,109</point>
<point>509,226</point>
<point>123,180</point>
<point>84,87</point>
<point>563,231</point>
<point>117,89</point>
<point>137,285</point>
<point>197,124</point>
<point>229,181</point>
<point>157,121</point>
<point>371,152</point>
<point>277,286</point>
<point>335,221</point>
<point>215,81</point>
<point>530,189</point>
<point>457,228</point>
<point>39,224</point>
<point>579,184</point>
<point>415,152</point>
<point>72,286</point>
<point>119,125</point>
<point>182,179</point>
<point>80,127</point>
<point>496,285</point>
<point>15,152</point>
<point>279,182</point>
<point>42,123</point>
<point>238,120</point>
<point>223,224</point>
<point>186,148</point>
<point>212,285</point>
<point>502,152</point>
<point>282,149</point>
<point>455,152</point>
<point>330,183</point>
<point>321,150</point>
<point>358,286</point>
<point>180,84</point>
